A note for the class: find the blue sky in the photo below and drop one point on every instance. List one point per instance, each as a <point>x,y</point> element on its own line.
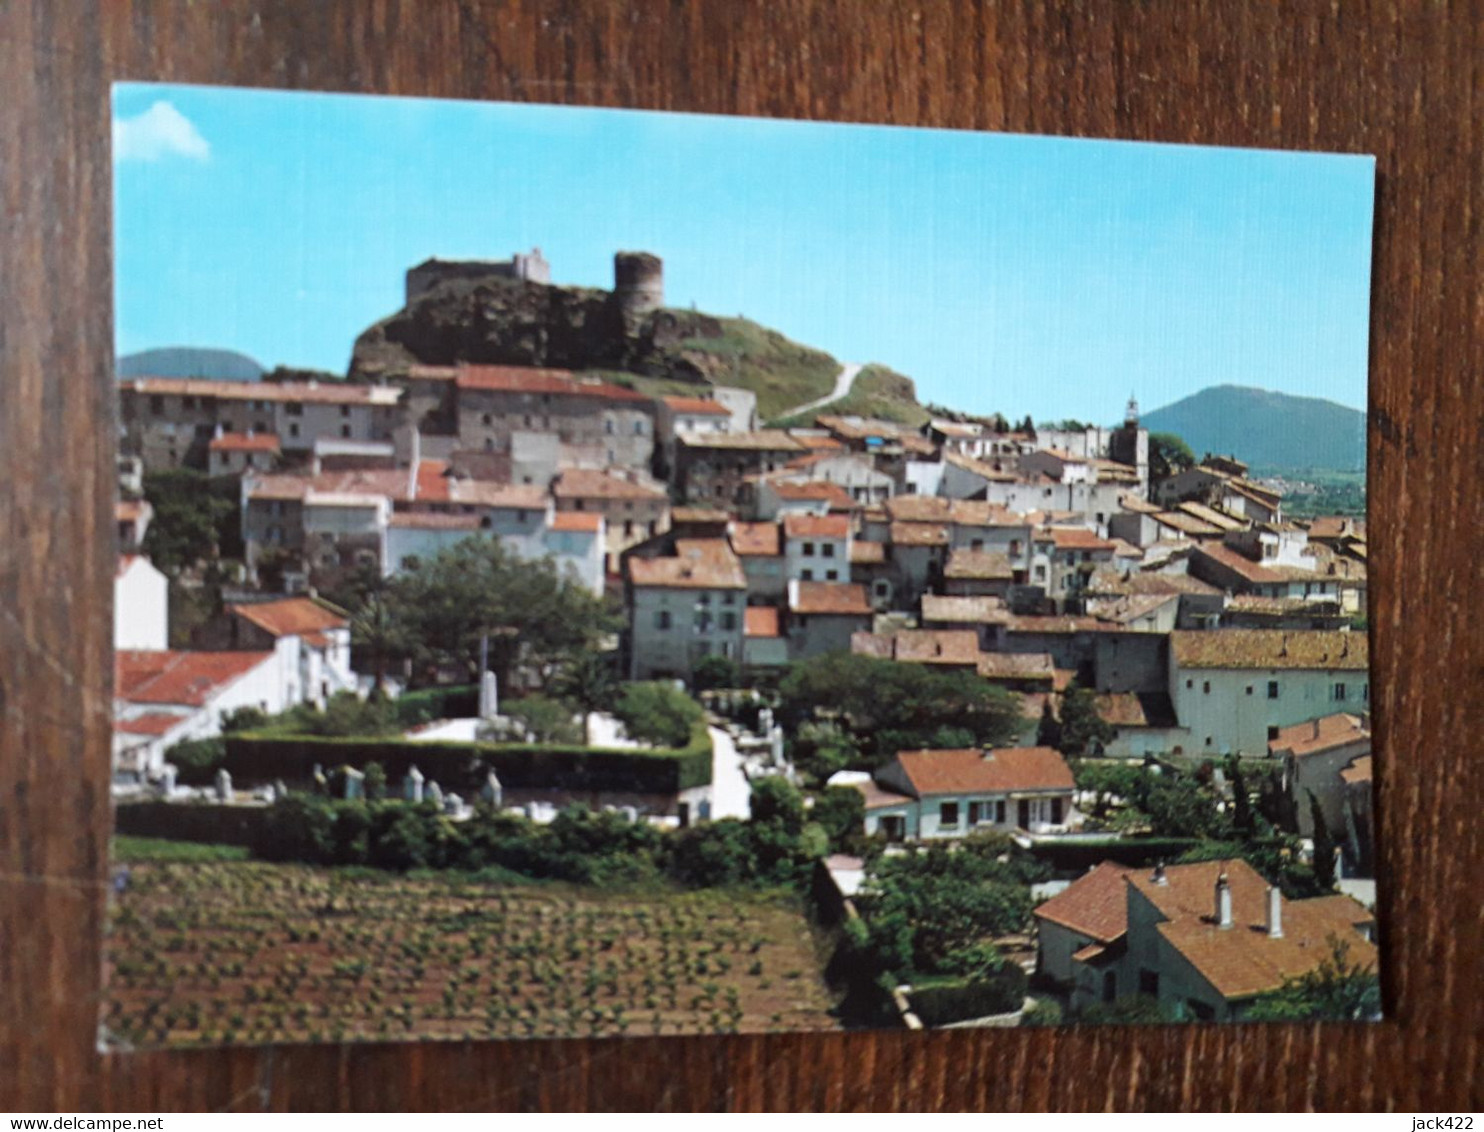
<point>1002,272</point>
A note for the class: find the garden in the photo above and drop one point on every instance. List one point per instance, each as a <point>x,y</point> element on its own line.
<point>203,949</point>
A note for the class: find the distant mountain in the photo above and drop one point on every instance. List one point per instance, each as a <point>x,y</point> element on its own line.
<point>1270,431</point>
<point>190,361</point>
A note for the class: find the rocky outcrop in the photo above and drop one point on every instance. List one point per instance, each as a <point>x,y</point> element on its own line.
<point>515,322</point>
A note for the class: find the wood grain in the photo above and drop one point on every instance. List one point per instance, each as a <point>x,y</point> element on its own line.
<point>1400,80</point>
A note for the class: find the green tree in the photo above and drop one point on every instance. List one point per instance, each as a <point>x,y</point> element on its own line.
<point>589,680</point>
<point>379,630</point>
<point>1048,731</point>
<point>196,518</point>
<point>1244,821</point>
<point>1168,454</point>
<point>374,783</point>
<point>245,718</point>
<point>887,706</point>
<point>658,713</point>
<point>1337,990</point>
<point>715,672</point>
<point>530,612</point>
<point>841,811</point>
<point>1083,730</point>
<point>547,720</point>
<point>1324,846</point>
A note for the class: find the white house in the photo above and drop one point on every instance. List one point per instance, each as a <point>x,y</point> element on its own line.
<point>311,635</point>
<point>930,795</point>
<point>1234,689</point>
<point>141,605</point>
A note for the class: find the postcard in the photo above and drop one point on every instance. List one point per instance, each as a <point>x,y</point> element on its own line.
<point>590,573</point>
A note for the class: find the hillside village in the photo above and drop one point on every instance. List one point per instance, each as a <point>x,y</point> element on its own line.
<point>1154,684</point>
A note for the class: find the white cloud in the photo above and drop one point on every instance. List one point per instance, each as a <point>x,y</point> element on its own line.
<point>160,131</point>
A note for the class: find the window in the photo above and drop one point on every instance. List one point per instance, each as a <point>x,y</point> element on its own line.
<point>259,426</point>
<point>832,575</point>
<point>1201,1011</point>
<point>808,550</point>
<point>187,402</point>
<point>1272,689</point>
<point>520,516</point>
<point>345,410</point>
<point>1249,689</point>
<point>1365,693</point>
<point>527,420</point>
<point>608,426</point>
<point>294,409</point>
<point>662,620</point>
<point>728,621</point>
<point>409,562</point>
<point>729,599</point>
<point>486,419</point>
<point>639,427</point>
<point>702,621</point>
<point>1110,985</point>
<point>1014,548</point>
<point>827,549</point>
<point>806,575</point>
<point>345,431</point>
<point>1149,983</point>
<point>628,528</point>
<point>293,430</point>
<point>976,544</point>
<point>1339,692</point>
<point>948,815</point>
<point>999,812</point>
<point>157,405</point>
<point>976,812</point>
<point>1272,734</point>
<point>1206,687</point>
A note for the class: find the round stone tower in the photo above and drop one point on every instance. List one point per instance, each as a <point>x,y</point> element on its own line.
<point>639,284</point>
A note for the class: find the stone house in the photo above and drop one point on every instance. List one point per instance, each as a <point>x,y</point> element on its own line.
<point>635,507</point>
<point>683,608</point>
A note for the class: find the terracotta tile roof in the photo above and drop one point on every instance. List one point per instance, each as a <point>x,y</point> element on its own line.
<point>1125,608</point>
<point>797,525</point>
<point>690,406</point>
<point>1243,960</point>
<point>173,677</point>
<point>1279,606</point>
<point>756,540</point>
<point>698,515</point>
<point>698,564</point>
<point>866,553</point>
<point>761,621</point>
<point>831,598</point>
<point>1270,648</point>
<point>531,379</point>
<point>582,483</point>
<point>1210,515</point>
<point>982,565</point>
<point>937,609</point>
<point>862,428</point>
<point>817,443</point>
<point>831,493</point>
<point>1357,770</point>
<point>129,510</point>
<point>1017,666</point>
<point>918,534</point>
<point>973,771</point>
<point>322,392</point>
<point>1021,623</point>
<point>1331,527</point>
<point>154,723</point>
<point>1316,736</point>
<point>1137,505</point>
<point>763,440</point>
<point>950,647</point>
<point>589,521</point>
<point>1136,709</point>
<point>1077,538</point>
<point>244,442</point>
<point>1094,905</point>
<point>918,508</point>
<point>126,563</point>
<point>1188,524</point>
<point>879,798</point>
<point>1107,580</point>
<point>981,468</point>
<point>293,617</point>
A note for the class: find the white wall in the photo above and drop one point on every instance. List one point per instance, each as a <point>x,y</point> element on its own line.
<point>141,607</point>
<point>1237,721</point>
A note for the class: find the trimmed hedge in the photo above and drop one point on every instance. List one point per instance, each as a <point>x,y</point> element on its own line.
<point>192,821</point>
<point>427,704</point>
<point>1135,852</point>
<point>254,757</point>
<point>942,1003</point>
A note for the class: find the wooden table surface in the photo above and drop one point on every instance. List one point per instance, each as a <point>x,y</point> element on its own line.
<point>1404,81</point>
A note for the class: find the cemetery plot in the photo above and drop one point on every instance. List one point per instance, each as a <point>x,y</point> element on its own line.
<point>250,952</point>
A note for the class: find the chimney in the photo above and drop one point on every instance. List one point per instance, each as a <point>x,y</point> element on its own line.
<point>1223,901</point>
<point>1158,876</point>
<point>1275,912</point>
